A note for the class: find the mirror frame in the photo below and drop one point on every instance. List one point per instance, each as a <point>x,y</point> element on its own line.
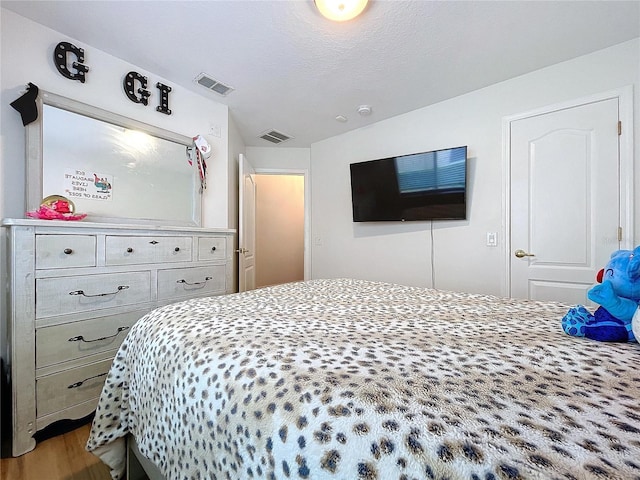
<point>34,154</point>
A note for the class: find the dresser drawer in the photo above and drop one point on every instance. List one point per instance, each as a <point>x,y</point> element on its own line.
<point>121,250</point>
<point>212,248</point>
<point>194,282</point>
<point>61,343</point>
<point>65,251</point>
<point>64,295</point>
<point>70,387</point>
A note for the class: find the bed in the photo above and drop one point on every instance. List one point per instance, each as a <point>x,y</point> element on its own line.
<point>351,379</point>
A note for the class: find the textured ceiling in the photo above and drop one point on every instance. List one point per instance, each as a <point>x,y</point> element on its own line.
<point>294,71</point>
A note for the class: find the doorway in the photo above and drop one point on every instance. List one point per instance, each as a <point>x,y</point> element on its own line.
<point>280,228</point>
<point>569,195</point>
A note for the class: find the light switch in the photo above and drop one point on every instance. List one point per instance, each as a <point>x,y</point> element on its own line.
<point>492,239</point>
<point>215,130</point>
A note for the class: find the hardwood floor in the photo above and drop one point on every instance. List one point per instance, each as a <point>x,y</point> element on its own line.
<point>58,458</point>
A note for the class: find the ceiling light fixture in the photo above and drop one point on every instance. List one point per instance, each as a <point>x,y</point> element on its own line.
<point>340,10</point>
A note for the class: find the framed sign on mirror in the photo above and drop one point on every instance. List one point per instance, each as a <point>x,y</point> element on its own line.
<point>113,168</point>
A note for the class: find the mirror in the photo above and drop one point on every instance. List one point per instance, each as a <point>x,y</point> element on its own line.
<point>112,168</point>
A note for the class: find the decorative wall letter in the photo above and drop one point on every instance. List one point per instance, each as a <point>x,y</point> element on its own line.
<point>60,59</point>
<point>164,98</point>
<point>134,93</point>
<point>130,89</point>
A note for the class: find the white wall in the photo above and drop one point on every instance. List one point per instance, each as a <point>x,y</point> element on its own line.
<point>236,147</point>
<point>279,158</point>
<point>401,252</point>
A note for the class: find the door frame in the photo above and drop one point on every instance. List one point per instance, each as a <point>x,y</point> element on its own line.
<point>307,208</point>
<point>241,270</point>
<point>624,95</point>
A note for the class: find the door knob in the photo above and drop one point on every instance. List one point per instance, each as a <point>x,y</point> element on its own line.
<point>242,250</point>
<point>521,253</point>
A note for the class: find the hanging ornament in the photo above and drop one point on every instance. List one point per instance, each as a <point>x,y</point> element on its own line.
<point>201,150</point>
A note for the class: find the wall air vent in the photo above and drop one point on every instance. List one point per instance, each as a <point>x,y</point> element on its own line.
<point>275,136</point>
<point>214,85</point>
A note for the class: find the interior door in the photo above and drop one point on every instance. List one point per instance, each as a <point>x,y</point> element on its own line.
<point>565,200</point>
<point>246,226</point>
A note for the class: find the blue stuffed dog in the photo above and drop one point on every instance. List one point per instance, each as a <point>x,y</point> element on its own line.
<point>618,294</point>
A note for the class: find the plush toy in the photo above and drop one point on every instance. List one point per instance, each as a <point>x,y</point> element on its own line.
<point>618,293</point>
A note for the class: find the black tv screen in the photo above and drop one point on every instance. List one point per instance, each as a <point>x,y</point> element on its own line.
<point>421,186</point>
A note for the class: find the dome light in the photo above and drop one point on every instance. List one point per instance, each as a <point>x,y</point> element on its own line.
<point>340,10</point>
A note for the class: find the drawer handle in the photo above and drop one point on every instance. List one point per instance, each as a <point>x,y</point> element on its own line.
<point>129,250</point>
<point>81,292</point>
<point>68,251</point>
<point>213,249</point>
<point>80,338</point>
<point>177,249</point>
<point>79,384</point>
<point>206,279</point>
<point>153,242</point>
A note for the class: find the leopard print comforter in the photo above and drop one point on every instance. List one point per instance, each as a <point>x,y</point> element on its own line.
<point>347,379</point>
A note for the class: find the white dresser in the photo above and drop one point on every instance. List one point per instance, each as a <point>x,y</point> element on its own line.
<point>76,288</point>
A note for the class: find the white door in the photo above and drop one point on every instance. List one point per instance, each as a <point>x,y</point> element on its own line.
<point>565,200</point>
<point>246,226</point>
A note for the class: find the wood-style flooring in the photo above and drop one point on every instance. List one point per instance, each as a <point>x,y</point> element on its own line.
<point>58,458</point>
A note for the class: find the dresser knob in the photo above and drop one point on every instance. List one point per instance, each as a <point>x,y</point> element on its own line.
<point>213,249</point>
<point>177,249</point>
<point>129,250</point>
<point>68,251</point>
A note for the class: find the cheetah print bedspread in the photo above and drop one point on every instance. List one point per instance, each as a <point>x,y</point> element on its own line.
<point>347,379</point>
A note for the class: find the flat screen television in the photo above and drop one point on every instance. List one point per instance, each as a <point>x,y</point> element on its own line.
<point>421,186</point>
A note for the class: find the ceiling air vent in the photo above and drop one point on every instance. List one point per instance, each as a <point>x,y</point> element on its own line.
<point>214,85</point>
<point>274,136</point>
